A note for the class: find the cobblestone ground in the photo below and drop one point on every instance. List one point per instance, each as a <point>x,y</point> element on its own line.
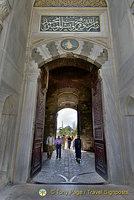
<point>68,170</point>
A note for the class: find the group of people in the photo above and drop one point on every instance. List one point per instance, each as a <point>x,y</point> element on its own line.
<point>58,142</point>
<point>67,141</point>
<point>50,142</point>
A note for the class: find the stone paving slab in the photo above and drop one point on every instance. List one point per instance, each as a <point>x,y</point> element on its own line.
<point>65,192</point>
<point>67,170</point>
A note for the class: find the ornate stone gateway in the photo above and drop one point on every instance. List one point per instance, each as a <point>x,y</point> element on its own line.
<point>72,63</point>
<point>98,48</point>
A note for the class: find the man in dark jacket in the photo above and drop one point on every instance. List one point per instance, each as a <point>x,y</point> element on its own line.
<point>69,142</point>
<point>78,145</point>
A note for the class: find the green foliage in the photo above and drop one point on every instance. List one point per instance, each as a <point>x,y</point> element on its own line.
<point>74,133</point>
<point>67,131</point>
<point>63,131</point>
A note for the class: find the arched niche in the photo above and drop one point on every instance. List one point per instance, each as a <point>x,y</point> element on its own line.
<point>7,126</point>
<point>129,108</point>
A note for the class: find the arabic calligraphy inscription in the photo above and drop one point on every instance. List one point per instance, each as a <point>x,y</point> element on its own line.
<point>70,23</point>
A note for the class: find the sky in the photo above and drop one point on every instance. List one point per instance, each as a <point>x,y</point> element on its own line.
<point>68,116</point>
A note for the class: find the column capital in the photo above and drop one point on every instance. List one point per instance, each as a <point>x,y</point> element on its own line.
<point>4,11</point>
<point>132,7</point>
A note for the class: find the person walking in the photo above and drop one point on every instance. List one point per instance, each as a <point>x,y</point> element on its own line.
<point>78,145</point>
<point>50,144</point>
<point>72,138</point>
<point>69,142</point>
<point>63,140</point>
<point>58,143</point>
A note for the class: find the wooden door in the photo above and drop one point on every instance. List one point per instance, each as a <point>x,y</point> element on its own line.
<point>98,130</point>
<point>38,133</point>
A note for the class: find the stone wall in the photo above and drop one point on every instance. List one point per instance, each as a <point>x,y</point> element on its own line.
<point>85,119</point>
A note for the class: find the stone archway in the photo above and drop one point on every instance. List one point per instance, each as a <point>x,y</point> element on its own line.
<point>90,51</point>
<point>90,57</point>
<point>70,84</point>
<point>90,54</point>
<point>96,54</point>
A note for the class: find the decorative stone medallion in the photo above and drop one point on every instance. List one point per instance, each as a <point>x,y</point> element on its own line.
<point>69,45</point>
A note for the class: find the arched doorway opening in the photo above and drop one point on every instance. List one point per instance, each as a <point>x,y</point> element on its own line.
<point>67,118</point>
<point>67,125</point>
<point>75,82</point>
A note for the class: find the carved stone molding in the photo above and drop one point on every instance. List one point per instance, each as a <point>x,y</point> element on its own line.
<point>132,8</point>
<point>129,106</point>
<point>4,11</point>
<point>93,53</point>
<point>33,72</point>
<point>37,56</point>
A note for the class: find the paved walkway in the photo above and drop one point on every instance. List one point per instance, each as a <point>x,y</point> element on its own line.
<point>68,170</point>
<point>63,172</point>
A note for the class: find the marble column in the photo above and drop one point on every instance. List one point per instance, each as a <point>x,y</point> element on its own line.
<point>26,131</point>
<point>111,123</point>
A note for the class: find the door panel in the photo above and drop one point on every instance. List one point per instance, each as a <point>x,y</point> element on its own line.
<point>38,133</point>
<point>98,131</point>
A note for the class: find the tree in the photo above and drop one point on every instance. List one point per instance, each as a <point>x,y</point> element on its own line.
<point>64,131</point>
<point>67,131</point>
<point>74,132</point>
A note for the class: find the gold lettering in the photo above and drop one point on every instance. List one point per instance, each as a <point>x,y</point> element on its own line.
<point>70,23</point>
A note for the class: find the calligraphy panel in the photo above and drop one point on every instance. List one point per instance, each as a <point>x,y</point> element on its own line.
<point>70,3</point>
<point>70,23</point>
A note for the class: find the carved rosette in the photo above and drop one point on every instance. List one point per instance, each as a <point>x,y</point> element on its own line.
<point>4,11</point>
